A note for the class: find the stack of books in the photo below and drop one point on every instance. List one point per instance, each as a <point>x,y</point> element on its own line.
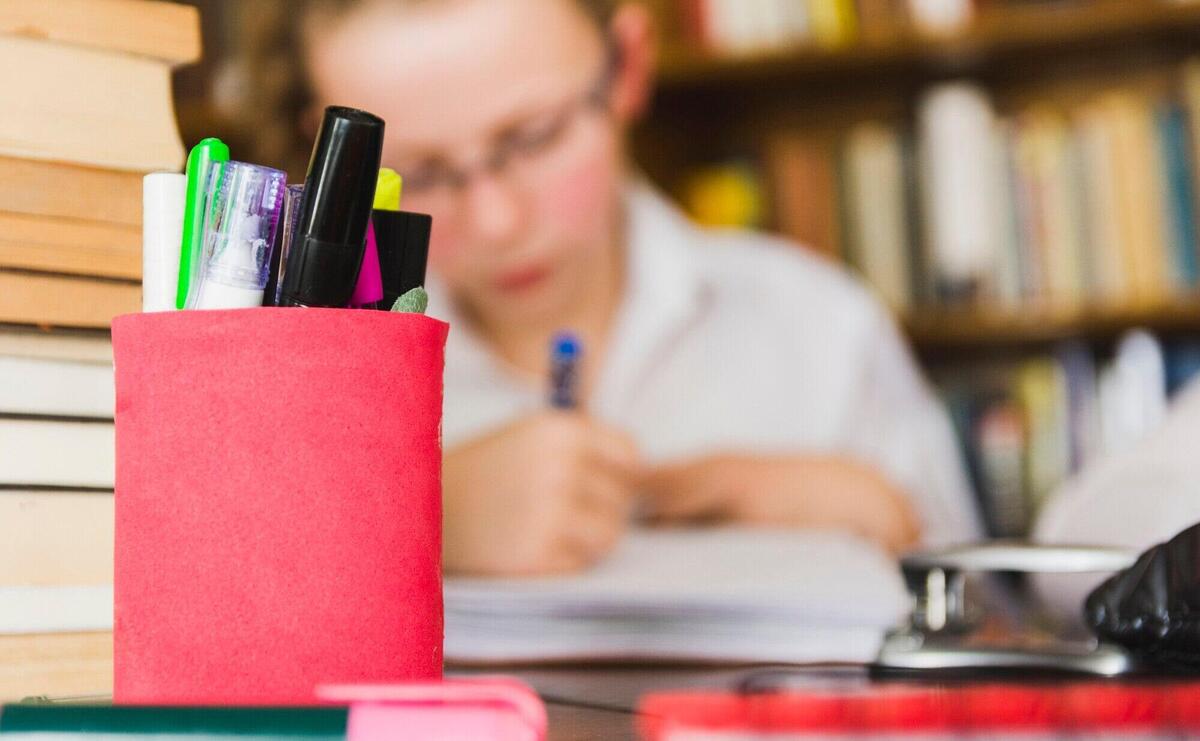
<point>88,112</point>
<point>56,514</point>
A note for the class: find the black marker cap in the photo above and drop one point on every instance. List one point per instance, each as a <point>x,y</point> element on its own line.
<point>403,241</point>
<point>327,251</point>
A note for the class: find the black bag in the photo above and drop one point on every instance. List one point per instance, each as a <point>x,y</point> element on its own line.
<point>1153,607</point>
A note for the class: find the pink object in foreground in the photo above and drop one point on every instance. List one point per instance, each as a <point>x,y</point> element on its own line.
<point>369,289</point>
<point>278,503</point>
<point>481,709</point>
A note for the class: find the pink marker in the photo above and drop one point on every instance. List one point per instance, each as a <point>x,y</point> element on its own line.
<point>368,292</point>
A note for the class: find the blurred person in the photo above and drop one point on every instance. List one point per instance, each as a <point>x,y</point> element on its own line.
<point>729,378</point>
<point>1135,499</point>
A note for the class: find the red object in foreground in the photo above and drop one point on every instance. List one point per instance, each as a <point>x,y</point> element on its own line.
<point>278,503</point>
<point>1018,711</point>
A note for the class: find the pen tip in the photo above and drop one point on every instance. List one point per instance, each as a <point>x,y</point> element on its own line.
<point>567,345</point>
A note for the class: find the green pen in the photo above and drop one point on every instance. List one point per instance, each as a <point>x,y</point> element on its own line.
<point>200,163</point>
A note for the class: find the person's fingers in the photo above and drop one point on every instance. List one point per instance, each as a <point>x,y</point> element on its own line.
<point>891,524</point>
<point>563,559</point>
<point>589,537</point>
<point>608,496</point>
<point>615,452</point>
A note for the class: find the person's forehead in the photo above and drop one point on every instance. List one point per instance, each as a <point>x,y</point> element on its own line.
<point>452,71</point>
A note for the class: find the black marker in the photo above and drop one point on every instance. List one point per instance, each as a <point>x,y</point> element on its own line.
<point>403,241</point>
<point>339,191</point>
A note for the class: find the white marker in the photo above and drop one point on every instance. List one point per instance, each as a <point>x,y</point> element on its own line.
<point>163,196</point>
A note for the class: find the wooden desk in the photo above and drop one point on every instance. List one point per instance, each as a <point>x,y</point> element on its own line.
<point>600,702</point>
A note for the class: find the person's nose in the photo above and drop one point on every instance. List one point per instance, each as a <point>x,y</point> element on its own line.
<point>494,208</point>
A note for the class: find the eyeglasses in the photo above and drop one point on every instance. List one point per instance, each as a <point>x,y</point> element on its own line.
<point>436,185</point>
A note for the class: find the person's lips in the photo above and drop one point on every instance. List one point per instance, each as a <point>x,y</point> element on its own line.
<point>523,278</point>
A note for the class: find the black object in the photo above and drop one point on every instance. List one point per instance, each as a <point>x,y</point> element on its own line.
<point>1153,607</point>
<point>284,234</point>
<point>272,288</point>
<point>327,251</point>
<point>402,238</point>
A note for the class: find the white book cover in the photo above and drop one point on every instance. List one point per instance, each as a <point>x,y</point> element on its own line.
<point>56,388</point>
<point>941,16</point>
<point>794,16</point>
<point>59,454</point>
<point>732,27</point>
<point>957,134</point>
<point>28,610</point>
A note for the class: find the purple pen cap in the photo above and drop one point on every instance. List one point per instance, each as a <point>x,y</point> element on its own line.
<point>239,234</point>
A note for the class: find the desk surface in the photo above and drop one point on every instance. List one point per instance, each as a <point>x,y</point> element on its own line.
<point>599,702</point>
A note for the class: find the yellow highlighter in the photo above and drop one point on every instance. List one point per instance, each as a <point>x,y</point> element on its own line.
<point>388,188</point>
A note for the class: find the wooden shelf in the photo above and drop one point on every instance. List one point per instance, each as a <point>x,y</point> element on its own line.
<point>997,38</point>
<point>948,329</point>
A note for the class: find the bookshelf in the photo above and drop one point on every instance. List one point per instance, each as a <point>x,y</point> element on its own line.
<point>1022,34</point>
<point>1034,369</point>
<point>1015,49</point>
<point>941,332</point>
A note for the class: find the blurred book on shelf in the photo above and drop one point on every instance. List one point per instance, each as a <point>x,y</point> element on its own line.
<point>749,27</point>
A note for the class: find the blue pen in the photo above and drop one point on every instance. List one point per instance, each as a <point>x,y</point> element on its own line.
<point>565,352</point>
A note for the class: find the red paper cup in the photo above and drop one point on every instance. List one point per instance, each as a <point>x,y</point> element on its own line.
<point>278,503</point>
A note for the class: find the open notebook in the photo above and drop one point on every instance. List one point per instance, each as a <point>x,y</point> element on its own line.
<point>709,595</point>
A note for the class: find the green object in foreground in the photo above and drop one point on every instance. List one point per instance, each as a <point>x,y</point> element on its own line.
<point>415,301</point>
<point>193,724</point>
<point>200,163</point>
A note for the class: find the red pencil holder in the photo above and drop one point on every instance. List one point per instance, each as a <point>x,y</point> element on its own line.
<point>278,503</point>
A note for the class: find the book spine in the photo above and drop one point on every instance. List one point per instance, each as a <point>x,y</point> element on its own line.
<point>956,130</point>
<point>1180,196</point>
<point>834,22</point>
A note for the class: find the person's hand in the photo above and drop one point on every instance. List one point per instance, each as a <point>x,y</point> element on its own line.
<point>548,494</point>
<point>815,492</point>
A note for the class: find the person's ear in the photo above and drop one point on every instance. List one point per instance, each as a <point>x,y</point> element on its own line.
<point>633,34</point>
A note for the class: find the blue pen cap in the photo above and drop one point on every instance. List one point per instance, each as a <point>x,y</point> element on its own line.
<point>565,352</point>
<point>239,233</point>
<point>566,346</point>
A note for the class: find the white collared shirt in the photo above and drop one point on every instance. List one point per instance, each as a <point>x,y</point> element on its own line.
<point>729,342</point>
